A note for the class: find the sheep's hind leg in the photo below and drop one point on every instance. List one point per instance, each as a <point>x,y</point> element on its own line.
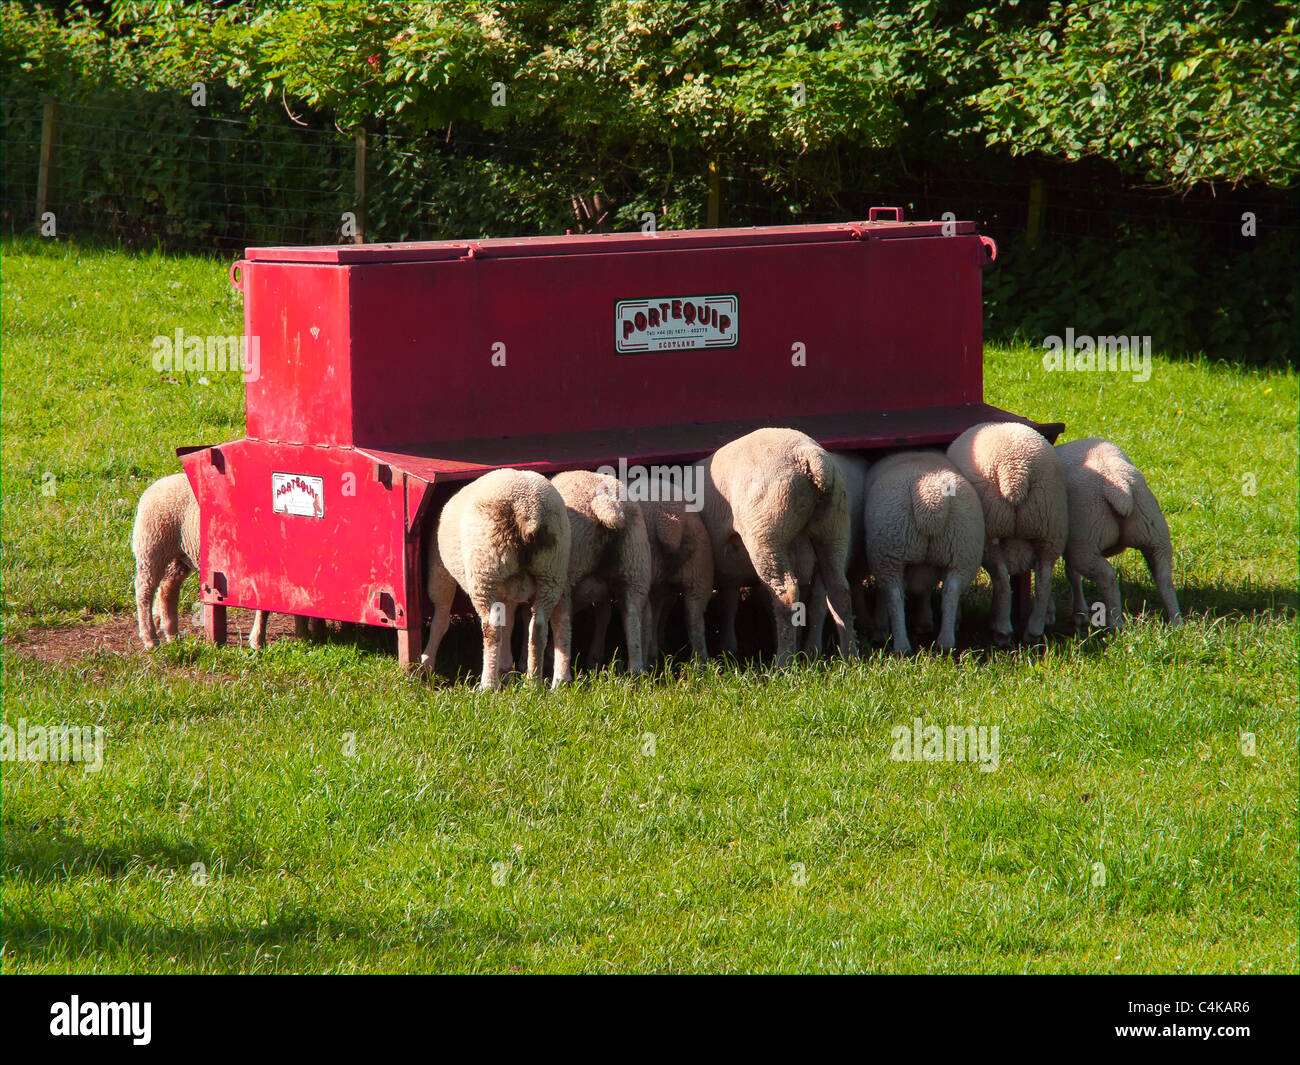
<point>633,607</point>
<point>1043,566</point>
<point>169,598</point>
<point>774,569</point>
<point>1000,578</point>
<point>694,604</point>
<point>506,653</point>
<point>561,618</point>
<point>491,614</point>
<point>1102,573</point>
<point>442,592</point>
<point>951,597</point>
<point>650,632</point>
<point>890,588</point>
<point>257,634</point>
<point>816,619</point>
<point>1161,572</point>
<point>831,562</point>
<point>1080,608</point>
<point>147,579</point>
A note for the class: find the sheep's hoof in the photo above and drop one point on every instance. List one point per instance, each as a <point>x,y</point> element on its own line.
<point>1002,639</point>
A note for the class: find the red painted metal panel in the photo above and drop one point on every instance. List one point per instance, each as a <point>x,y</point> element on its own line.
<point>299,315</point>
<point>881,325</point>
<point>343,555</point>
<point>457,460</point>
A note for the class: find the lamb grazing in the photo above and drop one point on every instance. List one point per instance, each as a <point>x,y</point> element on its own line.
<point>681,563</point>
<point>1021,486</point>
<point>165,542</point>
<point>504,538</point>
<point>1111,508</point>
<point>767,496</point>
<point>609,556</point>
<point>853,468</point>
<point>924,524</point>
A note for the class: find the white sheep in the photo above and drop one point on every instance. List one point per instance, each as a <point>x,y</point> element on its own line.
<point>924,524</point>
<point>165,542</point>
<point>769,496</point>
<point>609,556</point>
<point>1021,486</point>
<point>504,538</point>
<point>682,564</point>
<point>853,468</point>
<point>1112,508</point>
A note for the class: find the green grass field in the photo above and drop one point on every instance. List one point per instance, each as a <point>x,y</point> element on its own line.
<point>350,818</point>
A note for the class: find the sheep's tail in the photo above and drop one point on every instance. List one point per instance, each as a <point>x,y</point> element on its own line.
<point>1013,481</point>
<point>1117,489</point>
<point>610,511</point>
<point>930,495</point>
<point>525,515</point>
<point>817,465</point>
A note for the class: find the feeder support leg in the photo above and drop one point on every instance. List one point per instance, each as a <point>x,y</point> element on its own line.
<point>408,646</point>
<point>214,623</point>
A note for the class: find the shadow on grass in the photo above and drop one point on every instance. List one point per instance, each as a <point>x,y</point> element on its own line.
<point>44,853</point>
<point>459,655</point>
<point>1217,600</point>
<point>295,940</point>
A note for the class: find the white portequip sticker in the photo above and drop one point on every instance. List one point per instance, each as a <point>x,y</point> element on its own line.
<point>295,493</point>
<point>677,323</point>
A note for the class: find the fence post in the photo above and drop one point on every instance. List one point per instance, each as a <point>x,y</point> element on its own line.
<point>48,119</point>
<point>1034,227</point>
<point>359,187</point>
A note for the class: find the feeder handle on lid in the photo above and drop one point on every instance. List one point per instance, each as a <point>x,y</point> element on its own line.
<point>237,268</point>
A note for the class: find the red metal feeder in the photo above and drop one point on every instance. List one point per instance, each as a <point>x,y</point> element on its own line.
<point>391,372</point>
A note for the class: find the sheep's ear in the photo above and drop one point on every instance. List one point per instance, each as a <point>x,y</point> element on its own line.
<point>668,530</point>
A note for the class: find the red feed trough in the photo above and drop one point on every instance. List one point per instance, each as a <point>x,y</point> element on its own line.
<point>390,372</point>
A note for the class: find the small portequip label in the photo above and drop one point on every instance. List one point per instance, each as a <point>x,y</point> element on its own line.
<point>296,493</point>
<point>676,323</point>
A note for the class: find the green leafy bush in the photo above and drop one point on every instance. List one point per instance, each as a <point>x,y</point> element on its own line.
<point>498,119</point>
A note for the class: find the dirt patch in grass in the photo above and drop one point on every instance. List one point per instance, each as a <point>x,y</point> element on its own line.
<point>118,635</point>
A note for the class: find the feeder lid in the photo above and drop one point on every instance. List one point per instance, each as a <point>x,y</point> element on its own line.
<point>593,243</point>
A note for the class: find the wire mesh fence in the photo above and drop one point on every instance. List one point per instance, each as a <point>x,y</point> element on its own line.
<point>1192,270</point>
<point>176,176</point>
